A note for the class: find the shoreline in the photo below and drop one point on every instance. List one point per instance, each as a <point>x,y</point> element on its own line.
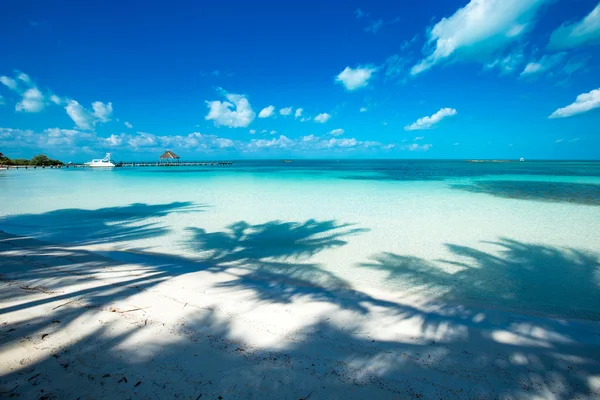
<point>156,328</point>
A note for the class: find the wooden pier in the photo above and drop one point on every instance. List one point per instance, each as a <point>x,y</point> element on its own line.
<point>131,164</point>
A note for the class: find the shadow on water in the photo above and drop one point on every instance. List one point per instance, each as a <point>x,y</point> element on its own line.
<point>322,359</point>
<point>557,192</point>
<point>112,224</point>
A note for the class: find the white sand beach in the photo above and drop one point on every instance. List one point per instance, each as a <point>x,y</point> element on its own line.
<point>76,324</point>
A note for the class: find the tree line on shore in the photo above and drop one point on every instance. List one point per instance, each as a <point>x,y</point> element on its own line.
<point>41,160</point>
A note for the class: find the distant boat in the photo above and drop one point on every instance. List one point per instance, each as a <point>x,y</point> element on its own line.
<point>101,163</point>
<point>522,159</point>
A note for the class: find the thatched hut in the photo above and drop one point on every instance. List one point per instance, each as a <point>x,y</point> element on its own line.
<point>169,157</point>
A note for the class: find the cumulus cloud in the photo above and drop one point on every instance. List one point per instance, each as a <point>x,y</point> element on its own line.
<point>429,122</point>
<point>355,78</point>
<point>127,124</point>
<point>336,132</point>
<point>322,118</point>
<point>77,141</point>
<point>82,118</point>
<point>102,111</point>
<point>585,102</point>
<point>298,113</point>
<point>266,112</point>
<point>576,34</point>
<point>363,109</point>
<point>85,119</point>
<point>252,131</point>
<point>236,112</point>
<point>478,30</point>
<point>544,64</point>
<point>285,111</point>
<point>419,138</point>
<point>32,99</point>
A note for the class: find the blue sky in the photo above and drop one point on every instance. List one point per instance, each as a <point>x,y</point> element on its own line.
<point>309,79</point>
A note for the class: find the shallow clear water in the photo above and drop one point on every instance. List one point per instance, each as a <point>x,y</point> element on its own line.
<point>520,237</point>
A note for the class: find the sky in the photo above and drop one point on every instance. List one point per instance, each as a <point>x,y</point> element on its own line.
<point>309,79</point>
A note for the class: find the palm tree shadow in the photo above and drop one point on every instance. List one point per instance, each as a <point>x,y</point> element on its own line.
<point>105,225</point>
<point>522,277</point>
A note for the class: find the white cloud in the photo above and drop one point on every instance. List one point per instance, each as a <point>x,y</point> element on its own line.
<point>266,112</point>
<point>395,66</point>
<point>478,30</point>
<point>78,141</point>
<point>322,118</point>
<point>127,124</point>
<point>429,122</point>
<point>575,64</point>
<point>359,14</point>
<point>32,101</point>
<point>508,63</point>
<point>82,118</point>
<point>558,140</point>
<point>282,142</point>
<point>584,103</point>
<point>374,26</point>
<point>273,132</point>
<point>285,111</point>
<point>545,63</point>
<point>8,82</point>
<point>363,109</point>
<point>102,111</point>
<point>234,113</point>
<point>298,113</point>
<point>252,131</point>
<point>416,147</point>
<point>355,78</point>
<point>85,119</point>
<point>336,132</point>
<point>55,99</point>
<point>419,138</point>
<point>576,34</point>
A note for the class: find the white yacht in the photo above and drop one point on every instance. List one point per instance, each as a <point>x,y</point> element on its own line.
<point>103,163</point>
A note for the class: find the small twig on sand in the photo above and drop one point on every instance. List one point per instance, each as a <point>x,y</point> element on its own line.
<point>135,309</point>
<point>64,304</point>
<point>305,398</point>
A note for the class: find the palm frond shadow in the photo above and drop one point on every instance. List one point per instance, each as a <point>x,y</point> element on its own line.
<point>273,262</point>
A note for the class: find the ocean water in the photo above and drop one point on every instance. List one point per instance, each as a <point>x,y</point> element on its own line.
<point>522,237</point>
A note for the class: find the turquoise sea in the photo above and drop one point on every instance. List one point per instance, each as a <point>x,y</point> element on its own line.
<point>521,237</point>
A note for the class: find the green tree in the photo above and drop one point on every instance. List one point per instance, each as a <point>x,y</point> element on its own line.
<point>44,160</point>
